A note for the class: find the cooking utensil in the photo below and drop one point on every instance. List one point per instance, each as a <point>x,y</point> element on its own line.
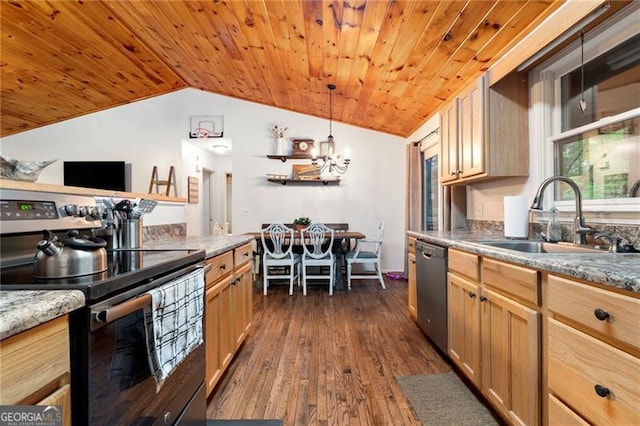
<point>145,206</point>
<point>72,257</point>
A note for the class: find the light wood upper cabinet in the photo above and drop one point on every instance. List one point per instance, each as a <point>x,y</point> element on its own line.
<point>449,142</point>
<point>485,131</point>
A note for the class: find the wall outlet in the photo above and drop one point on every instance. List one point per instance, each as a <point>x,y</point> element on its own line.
<point>477,209</point>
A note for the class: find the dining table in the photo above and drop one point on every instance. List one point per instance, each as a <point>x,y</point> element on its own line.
<point>339,236</point>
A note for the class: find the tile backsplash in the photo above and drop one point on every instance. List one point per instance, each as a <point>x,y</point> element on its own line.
<point>629,234</point>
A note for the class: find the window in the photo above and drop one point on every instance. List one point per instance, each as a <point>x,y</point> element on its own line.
<point>597,146</point>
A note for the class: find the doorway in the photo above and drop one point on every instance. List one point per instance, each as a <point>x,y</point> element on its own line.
<point>228,198</point>
<point>208,196</point>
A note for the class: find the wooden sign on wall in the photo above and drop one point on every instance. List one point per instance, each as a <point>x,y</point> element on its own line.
<point>193,190</point>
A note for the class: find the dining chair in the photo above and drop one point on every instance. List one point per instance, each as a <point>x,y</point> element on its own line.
<point>371,256</point>
<point>277,244</point>
<point>317,244</point>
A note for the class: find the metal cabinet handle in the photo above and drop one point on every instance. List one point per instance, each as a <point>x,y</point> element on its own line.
<point>223,266</point>
<point>602,391</point>
<point>483,298</point>
<point>472,295</point>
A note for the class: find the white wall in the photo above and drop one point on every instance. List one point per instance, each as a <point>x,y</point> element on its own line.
<point>151,132</point>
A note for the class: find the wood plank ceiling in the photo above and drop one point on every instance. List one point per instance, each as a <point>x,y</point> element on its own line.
<point>394,62</point>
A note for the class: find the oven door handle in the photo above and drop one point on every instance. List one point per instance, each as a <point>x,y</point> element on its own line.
<point>113,313</point>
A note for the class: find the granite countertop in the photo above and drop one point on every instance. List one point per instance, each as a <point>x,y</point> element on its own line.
<point>21,310</point>
<point>619,270</point>
<point>212,245</point>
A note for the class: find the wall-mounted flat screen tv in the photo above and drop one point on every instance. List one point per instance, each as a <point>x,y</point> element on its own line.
<point>110,175</point>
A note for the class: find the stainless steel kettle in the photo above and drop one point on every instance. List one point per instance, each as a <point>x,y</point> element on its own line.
<point>71,257</point>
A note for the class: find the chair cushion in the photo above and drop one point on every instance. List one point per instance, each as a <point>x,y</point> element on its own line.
<point>362,255</point>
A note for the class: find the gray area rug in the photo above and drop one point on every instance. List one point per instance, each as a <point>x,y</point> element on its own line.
<point>442,399</point>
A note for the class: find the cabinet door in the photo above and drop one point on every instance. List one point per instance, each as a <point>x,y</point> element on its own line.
<point>471,137</point>
<point>449,142</point>
<point>61,397</point>
<point>510,357</point>
<point>217,331</point>
<point>242,298</point>
<point>464,326</point>
<point>413,295</point>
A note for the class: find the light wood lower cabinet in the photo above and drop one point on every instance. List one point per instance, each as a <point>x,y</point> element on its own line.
<point>593,364</point>
<point>228,310</point>
<point>34,367</point>
<point>412,289</point>
<point>510,357</point>
<point>464,326</point>
<point>493,338</point>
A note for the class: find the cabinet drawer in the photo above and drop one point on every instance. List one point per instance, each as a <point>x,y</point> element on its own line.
<point>466,264</point>
<point>578,362</point>
<point>34,362</point>
<point>580,303</point>
<point>411,245</point>
<point>221,265</point>
<point>516,280</point>
<point>560,414</point>
<point>242,255</point>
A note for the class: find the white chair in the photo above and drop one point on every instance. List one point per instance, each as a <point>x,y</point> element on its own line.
<point>372,256</point>
<point>317,243</point>
<point>277,245</point>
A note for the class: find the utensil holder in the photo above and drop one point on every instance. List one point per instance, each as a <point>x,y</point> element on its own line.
<point>131,233</point>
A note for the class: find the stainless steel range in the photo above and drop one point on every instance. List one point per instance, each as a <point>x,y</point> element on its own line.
<point>111,379</point>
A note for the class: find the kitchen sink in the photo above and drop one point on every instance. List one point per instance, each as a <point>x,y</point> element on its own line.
<point>539,246</point>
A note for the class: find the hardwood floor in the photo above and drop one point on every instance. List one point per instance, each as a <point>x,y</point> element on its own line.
<point>321,360</point>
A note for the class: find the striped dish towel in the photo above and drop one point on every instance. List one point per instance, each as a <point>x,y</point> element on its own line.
<point>173,323</point>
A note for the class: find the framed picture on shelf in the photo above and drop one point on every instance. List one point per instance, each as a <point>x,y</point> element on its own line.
<point>305,172</point>
<point>327,148</point>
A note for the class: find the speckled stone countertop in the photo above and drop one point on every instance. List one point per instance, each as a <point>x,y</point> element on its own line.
<point>212,245</point>
<point>21,310</point>
<point>619,270</point>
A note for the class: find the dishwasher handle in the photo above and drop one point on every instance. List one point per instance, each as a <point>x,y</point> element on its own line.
<point>429,251</point>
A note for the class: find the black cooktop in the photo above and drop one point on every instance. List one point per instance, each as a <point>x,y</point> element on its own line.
<point>126,268</point>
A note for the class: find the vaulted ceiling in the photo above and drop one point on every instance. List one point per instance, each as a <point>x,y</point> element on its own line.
<point>394,62</point>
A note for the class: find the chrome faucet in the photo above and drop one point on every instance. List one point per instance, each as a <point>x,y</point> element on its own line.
<point>635,189</point>
<point>580,230</point>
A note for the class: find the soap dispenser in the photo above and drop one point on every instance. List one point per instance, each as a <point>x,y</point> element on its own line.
<point>554,233</point>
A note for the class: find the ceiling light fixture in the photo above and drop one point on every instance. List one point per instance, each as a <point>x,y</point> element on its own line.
<point>220,147</point>
<point>332,163</point>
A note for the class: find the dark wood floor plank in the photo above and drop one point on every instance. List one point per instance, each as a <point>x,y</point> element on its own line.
<point>327,360</point>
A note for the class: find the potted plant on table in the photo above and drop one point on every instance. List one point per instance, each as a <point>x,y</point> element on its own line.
<point>301,222</point>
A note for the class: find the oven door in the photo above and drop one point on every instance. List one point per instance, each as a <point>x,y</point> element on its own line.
<point>120,389</point>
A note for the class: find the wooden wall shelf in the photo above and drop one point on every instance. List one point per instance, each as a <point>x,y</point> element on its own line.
<point>47,187</point>
<point>306,181</point>
<point>284,158</point>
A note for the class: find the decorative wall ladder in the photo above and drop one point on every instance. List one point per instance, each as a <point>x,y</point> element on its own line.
<point>170,182</point>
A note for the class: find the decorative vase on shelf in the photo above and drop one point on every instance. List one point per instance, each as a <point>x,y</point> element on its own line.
<point>281,146</point>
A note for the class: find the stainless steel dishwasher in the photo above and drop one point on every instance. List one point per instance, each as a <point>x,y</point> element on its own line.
<point>431,265</point>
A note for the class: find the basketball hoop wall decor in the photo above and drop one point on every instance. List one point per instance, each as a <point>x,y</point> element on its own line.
<point>206,126</point>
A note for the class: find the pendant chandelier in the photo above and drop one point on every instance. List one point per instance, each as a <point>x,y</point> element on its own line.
<point>332,163</point>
